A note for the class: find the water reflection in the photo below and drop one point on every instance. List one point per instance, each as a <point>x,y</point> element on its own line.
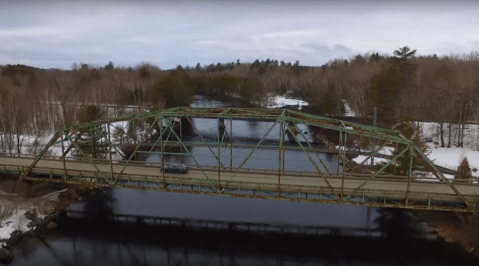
<point>100,203</point>
<point>98,241</point>
<point>83,241</point>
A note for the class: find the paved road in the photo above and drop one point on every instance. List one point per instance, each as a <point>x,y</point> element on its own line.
<point>259,179</point>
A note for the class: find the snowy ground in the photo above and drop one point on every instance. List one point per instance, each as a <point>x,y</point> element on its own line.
<point>16,220</point>
<point>432,130</point>
<point>445,157</point>
<point>349,111</point>
<point>452,157</point>
<point>281,101</point>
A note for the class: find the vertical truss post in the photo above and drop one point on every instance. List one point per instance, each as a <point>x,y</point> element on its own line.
<point>161,153</point>
<point>342,159</point>
<point>345,143</point>
<point>93,153</point>
<point>374,140</point>
<point>63,157</point>
<point>231,143</point>
<point>218,157</point>
<point>109,149</point>
<point>339,152</point>
<point>409,173</point>
<point>181,139</point>
<point>394,171</point>
<point>134,140</point>
<point>280,151</point>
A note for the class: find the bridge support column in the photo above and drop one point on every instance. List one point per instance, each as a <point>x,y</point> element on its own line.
<point>408,175</point>
<point>162,155</point>
<point>181,139</point>
<point>280,158</point>
<point>218,158</point>
<point>63,157</point>
<point>231,144</point>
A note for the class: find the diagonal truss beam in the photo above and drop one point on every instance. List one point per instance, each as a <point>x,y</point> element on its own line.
<point>249,155</point>
<point>201,137</point>
<point>136,148</point>
<point>379,171</point>
<point>375,151</point>
<point>192,157</point>
<point>91,161</point>
<point>310,159</point>
<point>312,149</point>
<point>440,176</point>
<point>44,150</point>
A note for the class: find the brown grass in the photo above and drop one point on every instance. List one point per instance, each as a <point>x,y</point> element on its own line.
<point>7,208</point>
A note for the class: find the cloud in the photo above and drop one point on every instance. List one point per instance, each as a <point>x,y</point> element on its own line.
<point>56,34</point>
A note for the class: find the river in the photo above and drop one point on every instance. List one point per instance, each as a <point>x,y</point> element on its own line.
<point>94,240</point>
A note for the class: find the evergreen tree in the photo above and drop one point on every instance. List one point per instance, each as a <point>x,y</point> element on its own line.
<point>410,131</point>
<point>464,170</point>
<point>402,61</point>
<point>109,65</point>
<point>176,89</point>
<point>384,91</point>
<point>92,138</point>
<point>375,57</point>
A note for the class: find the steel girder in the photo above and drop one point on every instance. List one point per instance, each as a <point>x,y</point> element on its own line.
<point>166,122</point>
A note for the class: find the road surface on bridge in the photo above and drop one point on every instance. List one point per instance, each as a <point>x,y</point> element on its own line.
<point>291,181</point>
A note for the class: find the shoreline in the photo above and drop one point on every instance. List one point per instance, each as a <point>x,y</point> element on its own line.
<point>452,230</point>
<point>37,222</point>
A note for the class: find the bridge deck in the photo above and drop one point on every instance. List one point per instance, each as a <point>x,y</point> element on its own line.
<point>384,187</point>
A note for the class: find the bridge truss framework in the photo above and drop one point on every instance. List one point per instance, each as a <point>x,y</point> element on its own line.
<point>376,188</point>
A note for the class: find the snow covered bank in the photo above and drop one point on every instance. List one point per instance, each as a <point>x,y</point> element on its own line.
<point>281,101</point>
<point>452,157</point>
<point>15,218</point>
<point>432,130</point>
<point>349,110</point>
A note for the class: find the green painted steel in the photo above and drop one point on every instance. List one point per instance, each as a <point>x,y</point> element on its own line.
<point>162,131</point>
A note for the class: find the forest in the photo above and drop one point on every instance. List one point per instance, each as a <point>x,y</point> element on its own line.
<point>442,89</point>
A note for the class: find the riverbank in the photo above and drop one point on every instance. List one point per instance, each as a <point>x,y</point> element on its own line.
<point>454,229</point>
<point>27,214</point>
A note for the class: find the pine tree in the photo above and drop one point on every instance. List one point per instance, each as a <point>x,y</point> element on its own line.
<point>408,129</point>
<point>384,91</point>
<point>464,170</point>
<point>92,143</point>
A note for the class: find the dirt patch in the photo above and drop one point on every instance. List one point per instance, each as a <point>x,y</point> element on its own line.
<point>453,229</point>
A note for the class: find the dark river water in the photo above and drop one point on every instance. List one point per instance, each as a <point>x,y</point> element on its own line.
<point>348,235</point>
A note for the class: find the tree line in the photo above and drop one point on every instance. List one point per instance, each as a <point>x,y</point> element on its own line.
<point>441,89</point>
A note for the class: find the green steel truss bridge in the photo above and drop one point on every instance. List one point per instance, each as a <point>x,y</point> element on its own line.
<point>89,154</point>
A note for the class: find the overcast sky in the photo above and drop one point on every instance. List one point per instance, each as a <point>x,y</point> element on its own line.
<point>54,34</point>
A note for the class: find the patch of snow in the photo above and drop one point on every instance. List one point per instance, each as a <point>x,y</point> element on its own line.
<point>349,111</point>
<point>432,130</point>
<point>17,221</point>
<point>281,101</point>
<point>377,160</point>
<point>452,157</point>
